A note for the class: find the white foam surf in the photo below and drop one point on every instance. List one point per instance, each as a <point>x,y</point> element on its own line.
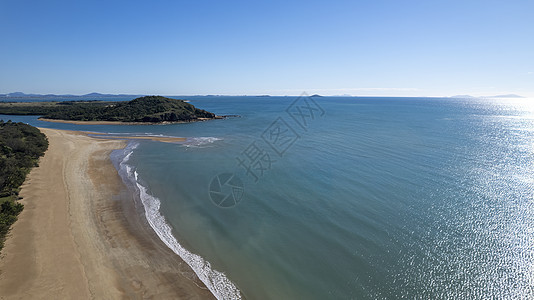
<point>217,282</point>
<point>200,142</point>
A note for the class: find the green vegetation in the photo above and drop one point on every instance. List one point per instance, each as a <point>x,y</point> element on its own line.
<point>153,109</point>
<point>21,145</point>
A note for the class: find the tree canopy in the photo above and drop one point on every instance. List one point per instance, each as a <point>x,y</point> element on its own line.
<point>21,145</point>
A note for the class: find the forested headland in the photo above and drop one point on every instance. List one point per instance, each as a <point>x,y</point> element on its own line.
<point>151,109</point>
<point>21,145</point>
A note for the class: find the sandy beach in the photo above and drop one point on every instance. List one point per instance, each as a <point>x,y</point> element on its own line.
<point>81,235</point>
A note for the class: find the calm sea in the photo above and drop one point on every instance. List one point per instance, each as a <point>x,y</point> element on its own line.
<point>344,198</point>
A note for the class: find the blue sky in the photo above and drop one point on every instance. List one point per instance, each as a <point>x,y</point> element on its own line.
<point>402,48</point>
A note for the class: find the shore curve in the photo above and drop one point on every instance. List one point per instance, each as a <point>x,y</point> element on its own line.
<point>81,235</point>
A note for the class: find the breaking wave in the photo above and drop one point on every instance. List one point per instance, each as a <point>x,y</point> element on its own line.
<point>217,282</point>
<point>200,142</point>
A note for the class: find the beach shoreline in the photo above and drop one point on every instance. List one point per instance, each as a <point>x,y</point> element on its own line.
<point>82,235</point>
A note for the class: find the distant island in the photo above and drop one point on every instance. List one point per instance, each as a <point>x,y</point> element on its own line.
<point>506,96</point>
<point>497,96</point>
<point>148,109</point>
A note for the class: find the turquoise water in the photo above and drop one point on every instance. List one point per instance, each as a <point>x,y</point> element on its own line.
<point>371,198</point>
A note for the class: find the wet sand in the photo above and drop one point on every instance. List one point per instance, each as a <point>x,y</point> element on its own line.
<point>81,235</point>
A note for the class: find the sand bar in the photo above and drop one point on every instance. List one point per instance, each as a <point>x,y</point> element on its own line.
<point>81,235</point>
<point>164,139</point>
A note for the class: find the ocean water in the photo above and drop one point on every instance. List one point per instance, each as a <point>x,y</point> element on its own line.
<point>344,198</point>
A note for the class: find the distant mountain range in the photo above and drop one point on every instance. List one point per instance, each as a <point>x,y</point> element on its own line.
<point>90,95</point>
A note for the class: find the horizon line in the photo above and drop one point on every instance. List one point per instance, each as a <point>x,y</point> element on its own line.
<point>38,95</point>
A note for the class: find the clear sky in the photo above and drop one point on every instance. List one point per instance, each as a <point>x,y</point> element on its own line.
<point>402,48</point>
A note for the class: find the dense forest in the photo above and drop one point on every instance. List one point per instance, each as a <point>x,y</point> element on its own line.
<point>21,145</point>
<point>153,109</point>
